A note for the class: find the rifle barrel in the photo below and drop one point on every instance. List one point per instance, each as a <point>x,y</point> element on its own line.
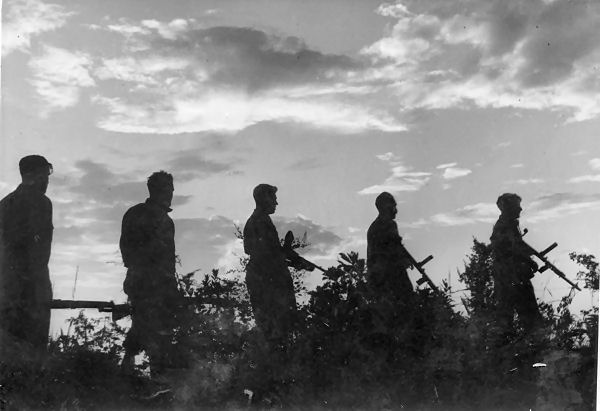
<point>75,304</point>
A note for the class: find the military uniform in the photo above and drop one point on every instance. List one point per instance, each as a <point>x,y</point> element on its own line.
<point>386,258</point>
<point>148,250</point>
<point>268,279</point>
<point>512,271</point>
<point>25,289</point>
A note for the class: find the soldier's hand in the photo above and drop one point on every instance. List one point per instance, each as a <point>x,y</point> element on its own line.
<point>309,267</point>
<point>407,264</point>
<point>533,265</point>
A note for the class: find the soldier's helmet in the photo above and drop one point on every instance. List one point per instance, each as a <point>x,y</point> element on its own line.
<point>506,199</point>
<point>33,164</point>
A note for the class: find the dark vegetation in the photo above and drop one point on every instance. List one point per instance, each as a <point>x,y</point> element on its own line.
<point>349,352</point>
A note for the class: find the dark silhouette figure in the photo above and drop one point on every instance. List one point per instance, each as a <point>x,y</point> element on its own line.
<point>25,242</point>
<point>268,279</point>
<point>387,261</point>
<point>513,268</point>
<point>148,250</point>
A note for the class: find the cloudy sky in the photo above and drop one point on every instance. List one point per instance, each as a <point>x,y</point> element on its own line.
<point>444,104</point>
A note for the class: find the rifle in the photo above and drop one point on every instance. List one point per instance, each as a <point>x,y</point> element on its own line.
<point>118,310</point>
<point>293,256</point>
<point>419,266</point>
<point>547,264</point>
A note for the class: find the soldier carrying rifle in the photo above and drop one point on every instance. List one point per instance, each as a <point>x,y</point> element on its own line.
<point>387,260</point>
<point>268,279</point>
<point>25,241</point>
<point>513,269</point>
<point>148,250</point>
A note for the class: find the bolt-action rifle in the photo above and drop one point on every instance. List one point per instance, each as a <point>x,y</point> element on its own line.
<point>547,264</point>
<point>293,257</point>
<point>419,266</point>
<point>118,310</point>
<point>123,310</point>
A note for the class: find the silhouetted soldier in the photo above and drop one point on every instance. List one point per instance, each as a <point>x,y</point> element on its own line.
<point>386,258</point>
<point>148,250</point>
<point>268,279</point>
<point>25,242</point>
<point>513,268</point>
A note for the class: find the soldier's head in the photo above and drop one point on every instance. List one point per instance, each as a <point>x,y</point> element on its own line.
<point>160,187</point>
<point>509,205</point>
<point>35,171</point>
<point>386,205</point>
<point>265,197</point>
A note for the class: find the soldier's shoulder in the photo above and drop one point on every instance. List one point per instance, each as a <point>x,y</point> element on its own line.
<point>504,224</point>
<point>7,198</point>
<point>136,210</point>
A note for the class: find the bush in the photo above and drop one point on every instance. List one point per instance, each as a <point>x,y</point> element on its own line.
<point>351,350</point>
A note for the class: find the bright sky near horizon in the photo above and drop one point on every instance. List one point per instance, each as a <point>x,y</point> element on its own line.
<point>445,104</point>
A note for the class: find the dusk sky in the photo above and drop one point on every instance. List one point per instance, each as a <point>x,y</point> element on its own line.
<point>445,104</point>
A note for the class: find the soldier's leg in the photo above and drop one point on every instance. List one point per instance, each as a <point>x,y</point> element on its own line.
<point>131,345</point>
<point>40,329</point>
<point>138,337</point>
<point>527,307</point>
<point>505,299</point>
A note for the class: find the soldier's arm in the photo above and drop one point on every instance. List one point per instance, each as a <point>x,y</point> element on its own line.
<point>130,238</point>
<point>40,231</point>
<point>397,240</point>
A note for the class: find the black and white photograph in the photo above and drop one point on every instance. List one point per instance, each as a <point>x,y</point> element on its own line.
<point>299,205</point>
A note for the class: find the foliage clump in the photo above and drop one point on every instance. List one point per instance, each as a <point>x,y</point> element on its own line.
<point>351,350</point>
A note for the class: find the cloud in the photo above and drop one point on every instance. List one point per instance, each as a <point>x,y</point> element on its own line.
<point>589,178</point>
<point>306,164</point>
<point>469,214</point>
<point>402,178</point>
<point>544,208</point>
<point>59,75</point>
<point>321,239</point>
<point>450,173</point>
<point>186,166</point>
<point>203,242</point>
<point>560,205</point>
<point>229,112</point>
<point>530,181</point>
<point>182,77</point>
<point>594,163</point>
<point>24,19</point>
<point>527,55</point>
<point>446,165</point>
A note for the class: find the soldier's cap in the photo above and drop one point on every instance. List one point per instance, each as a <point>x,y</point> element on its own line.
<point>505,199</point>
<point>261,191</point>
<point>384,198</point>
<point>34,163</point>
